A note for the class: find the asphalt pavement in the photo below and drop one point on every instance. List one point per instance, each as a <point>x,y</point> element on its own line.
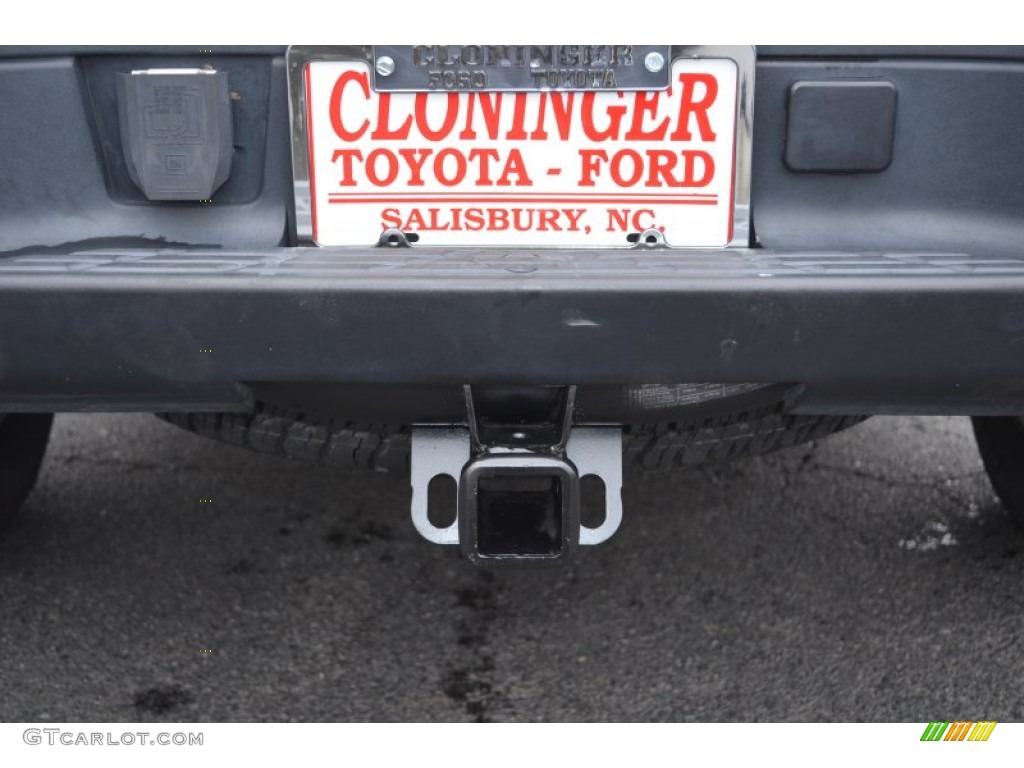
<point>160,576</point>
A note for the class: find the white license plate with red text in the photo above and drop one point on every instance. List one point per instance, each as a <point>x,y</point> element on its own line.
<point>548,167</point>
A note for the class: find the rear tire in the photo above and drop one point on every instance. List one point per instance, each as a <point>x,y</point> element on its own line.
<point>1001,445</point>
<point>23,438</point>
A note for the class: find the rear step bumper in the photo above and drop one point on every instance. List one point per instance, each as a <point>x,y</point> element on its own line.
<point>181,329</point>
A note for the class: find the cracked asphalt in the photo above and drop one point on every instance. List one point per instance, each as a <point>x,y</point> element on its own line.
<point>870,576</point>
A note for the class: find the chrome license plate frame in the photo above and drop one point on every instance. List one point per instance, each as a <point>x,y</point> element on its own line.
<point>732,204</point>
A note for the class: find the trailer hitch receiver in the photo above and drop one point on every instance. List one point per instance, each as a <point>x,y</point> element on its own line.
<point>518,469</point>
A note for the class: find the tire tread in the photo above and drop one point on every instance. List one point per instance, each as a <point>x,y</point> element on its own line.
<point>385,448</point>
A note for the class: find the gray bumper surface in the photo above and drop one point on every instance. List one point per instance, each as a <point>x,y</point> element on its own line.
<point>182,329</point>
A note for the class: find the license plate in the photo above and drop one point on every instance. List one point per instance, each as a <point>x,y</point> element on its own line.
<point>579,147</point>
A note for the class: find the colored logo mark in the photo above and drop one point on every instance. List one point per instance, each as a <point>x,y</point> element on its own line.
<point>959,731</point>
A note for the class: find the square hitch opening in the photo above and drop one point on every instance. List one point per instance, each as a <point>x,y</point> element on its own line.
<point>519,510</point>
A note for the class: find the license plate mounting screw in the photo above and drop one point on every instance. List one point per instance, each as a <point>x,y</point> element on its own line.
<point>654,62</point>
<point>385,66</point>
